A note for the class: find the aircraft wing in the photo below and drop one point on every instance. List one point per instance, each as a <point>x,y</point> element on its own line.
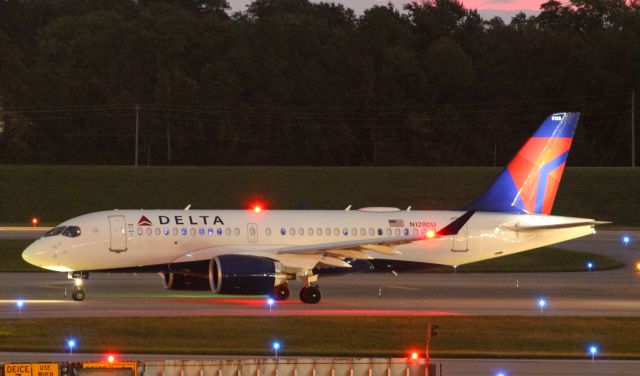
<point>22,232</point>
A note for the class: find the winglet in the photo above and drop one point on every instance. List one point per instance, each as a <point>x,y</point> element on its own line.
<point>455,226</point>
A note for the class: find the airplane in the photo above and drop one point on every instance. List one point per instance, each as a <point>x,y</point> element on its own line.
<point>257,251</point>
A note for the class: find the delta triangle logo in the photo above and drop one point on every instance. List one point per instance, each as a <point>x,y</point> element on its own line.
<point>144,221</point>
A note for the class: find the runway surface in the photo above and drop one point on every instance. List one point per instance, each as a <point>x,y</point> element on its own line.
<point>606,293</point>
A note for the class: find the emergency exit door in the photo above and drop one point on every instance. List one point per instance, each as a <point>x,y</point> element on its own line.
<point>118,233</point>
<point>460,241</point>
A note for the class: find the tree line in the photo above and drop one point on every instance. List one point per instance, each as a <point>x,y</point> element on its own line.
<point>310,83</point>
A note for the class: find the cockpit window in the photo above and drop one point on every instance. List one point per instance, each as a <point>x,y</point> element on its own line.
<point>71,232</point>
<point>54,231</point>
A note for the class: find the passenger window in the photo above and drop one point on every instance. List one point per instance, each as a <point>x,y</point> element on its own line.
<point>345,231</point>
<point>252,231</point>
<point>149,231</point>
<point>327,231</point>
<point>388,232</point>
<point>193,231</point>
<point>415,231</point>
<point>71,232</point>
<point>310,231</point>
<point>292,231</point>
<point>54,231</point>
<point>175,231</point>
<point>301,230</point>
<point>165,231</point>
<point>139,231</point>
<point>219,231</point>
<point>283,231</point>
<point>363,232</point>
<point>236,231</point>
<point>157,231</point>
<point>184,231</point>
<point>319,231</point>
<point>397,231</point>
<point>210,231</point>
<point>336,231</point>
<point>380,232</point>
<point>406,231</point>
<point>268,231</point>
<point>201,231</point>
<point>354,231</point>
<point>227,231</point>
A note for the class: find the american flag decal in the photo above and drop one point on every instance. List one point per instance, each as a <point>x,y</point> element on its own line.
<point>396,223</point>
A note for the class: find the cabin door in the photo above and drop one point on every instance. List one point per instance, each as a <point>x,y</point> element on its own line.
<point>117,233</point>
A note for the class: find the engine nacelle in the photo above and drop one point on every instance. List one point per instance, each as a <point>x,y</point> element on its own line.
<point>242,275</point>
<point>176,281</point>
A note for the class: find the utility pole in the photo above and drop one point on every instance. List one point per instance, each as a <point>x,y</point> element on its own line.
<point>137,131</point>
<point>633,130</point>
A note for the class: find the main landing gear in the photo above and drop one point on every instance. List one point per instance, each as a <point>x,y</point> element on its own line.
<point>310,293</point>
<point>78,277</point>
<point>280,292</point>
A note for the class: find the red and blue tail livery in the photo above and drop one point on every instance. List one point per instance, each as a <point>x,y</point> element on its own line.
<point>530,182</point>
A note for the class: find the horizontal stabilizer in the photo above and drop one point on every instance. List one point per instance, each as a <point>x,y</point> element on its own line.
<point>525,228</point>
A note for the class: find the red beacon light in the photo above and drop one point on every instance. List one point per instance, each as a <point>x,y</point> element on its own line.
<point>111,358</point>
<point>430,234</point>
<point>35,221</point>
<point>257,208</point>
<point>414,356</point>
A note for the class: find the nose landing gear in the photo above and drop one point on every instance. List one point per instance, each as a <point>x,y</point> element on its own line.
<point>78,277</point>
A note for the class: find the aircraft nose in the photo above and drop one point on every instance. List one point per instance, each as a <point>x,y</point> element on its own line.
<point>32,253</point>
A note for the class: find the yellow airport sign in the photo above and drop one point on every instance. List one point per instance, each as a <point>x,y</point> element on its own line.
<point>31,369</point>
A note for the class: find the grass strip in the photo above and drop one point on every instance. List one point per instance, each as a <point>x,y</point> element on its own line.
<point>57,193</point>
<point>500,337</point>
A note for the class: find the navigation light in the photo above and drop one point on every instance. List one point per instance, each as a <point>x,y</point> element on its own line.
<point>590,265</point>
<point>626,239</point>
<point>430,234</point>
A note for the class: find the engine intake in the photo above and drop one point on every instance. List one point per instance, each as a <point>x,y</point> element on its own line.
<point>242,275</point>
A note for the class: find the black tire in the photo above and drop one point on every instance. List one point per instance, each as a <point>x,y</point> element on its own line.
<point>280,292</point>
<point>78,295</point>
<point>310,295</point>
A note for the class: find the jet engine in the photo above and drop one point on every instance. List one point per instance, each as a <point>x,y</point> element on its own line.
<point>242,275</point>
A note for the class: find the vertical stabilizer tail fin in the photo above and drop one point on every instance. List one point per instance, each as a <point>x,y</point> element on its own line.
<point>530,181</point>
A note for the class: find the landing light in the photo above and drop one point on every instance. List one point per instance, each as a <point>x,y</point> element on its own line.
<point>638,266</point>
<point>590,265</point>
<point>430,234</point>
<point>626,239</point>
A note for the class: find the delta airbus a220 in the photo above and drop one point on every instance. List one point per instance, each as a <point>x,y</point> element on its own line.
<point>256,252</point>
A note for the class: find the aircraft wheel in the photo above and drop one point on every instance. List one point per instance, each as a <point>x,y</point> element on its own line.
<point>280,292</point>
<point>78,295</point>
<point>310,295</point>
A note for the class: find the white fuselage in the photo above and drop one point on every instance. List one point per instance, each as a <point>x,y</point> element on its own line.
<point>123,239</point>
